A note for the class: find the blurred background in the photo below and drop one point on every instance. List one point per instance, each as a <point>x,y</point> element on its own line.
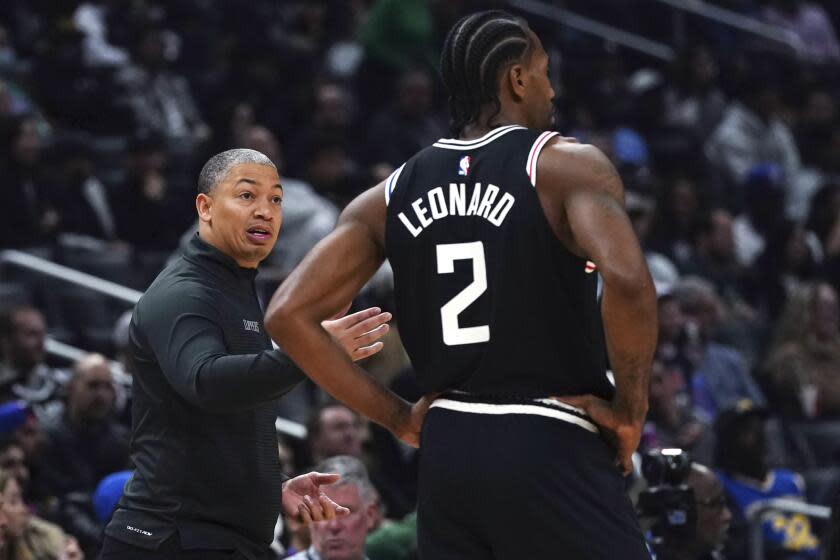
<point>722,118</point>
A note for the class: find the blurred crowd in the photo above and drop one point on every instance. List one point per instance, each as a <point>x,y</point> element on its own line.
<point>730,154</point>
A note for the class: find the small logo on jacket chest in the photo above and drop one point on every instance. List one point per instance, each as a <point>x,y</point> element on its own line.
<point>251,325</point>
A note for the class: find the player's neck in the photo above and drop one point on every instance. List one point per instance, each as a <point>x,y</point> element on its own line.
<point>487,122</point>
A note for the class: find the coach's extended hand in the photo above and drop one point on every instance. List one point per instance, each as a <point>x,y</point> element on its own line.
<point>623,434</point>
<point>359,332</point>
<point>304,500</point>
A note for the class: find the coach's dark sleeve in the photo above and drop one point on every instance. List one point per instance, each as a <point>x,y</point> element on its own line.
<point>187,340</point>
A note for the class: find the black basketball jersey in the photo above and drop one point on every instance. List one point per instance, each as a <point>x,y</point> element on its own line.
<point>487,298</point>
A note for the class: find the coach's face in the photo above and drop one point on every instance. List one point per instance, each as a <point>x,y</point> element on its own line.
<point>243,213</point>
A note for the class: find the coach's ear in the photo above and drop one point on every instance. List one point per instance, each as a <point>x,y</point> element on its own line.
<point>204,207</point>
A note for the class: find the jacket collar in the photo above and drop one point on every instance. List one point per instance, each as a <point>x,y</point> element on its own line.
<point>202,253</point>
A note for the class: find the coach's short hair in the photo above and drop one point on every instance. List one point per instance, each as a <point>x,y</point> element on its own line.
<point>352,471</point>
<point>218,166</point>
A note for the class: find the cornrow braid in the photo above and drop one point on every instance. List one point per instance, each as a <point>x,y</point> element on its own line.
<point>476,49</point>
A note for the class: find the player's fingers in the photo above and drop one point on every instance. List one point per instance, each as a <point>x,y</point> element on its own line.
<point>584,402</point>
<point>626,464</point>
<point>370,337</point>
<point>305,516</point>
<point>369,324</point>
<point>367,351</point>
<point>327,506</point>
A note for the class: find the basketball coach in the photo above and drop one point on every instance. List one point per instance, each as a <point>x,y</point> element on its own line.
<point>207,482</point>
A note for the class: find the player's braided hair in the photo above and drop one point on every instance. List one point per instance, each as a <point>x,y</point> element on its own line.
<point>477,48</point>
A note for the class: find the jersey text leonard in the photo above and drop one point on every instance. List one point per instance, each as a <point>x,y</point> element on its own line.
<point>458,200</point>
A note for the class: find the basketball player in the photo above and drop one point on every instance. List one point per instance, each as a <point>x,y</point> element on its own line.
<point>495,236</point>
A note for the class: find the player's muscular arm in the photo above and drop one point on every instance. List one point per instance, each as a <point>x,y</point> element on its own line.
<point>586,196</point>
<point>323,285</point>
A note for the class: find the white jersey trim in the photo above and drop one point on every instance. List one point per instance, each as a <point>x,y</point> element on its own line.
<point>488,408</point>
<point>453,144</point>
<point>391,183</point>
<point>534,155</point>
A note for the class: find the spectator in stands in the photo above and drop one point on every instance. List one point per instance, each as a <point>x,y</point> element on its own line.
<point>29,537</point>
<point>333,173</point>
<point>831,538</point>
<point>824,222</point>
<point>160,99</point>
<point>71,95</point>
<point>91,19</point>
<point>28,208</point>
<point>764,198</point>
<point>343,538</point>
<point>677,216</point>
<point>641,209</point>
<point>333,430</point>
<point>86,206</point>
<point>752,130</point>
<point>824,219</point>
<point>153,212</point>
<point>13,462</point>
<point>87,443</point>
<point>673,348</point>
<point>741,457</point>
<point>788,261</point>
<point>720,377</point>
<point>396,35</point>
<point>693,102</point>
<point>30,438</point>
<point>672,420</point>
<point>715,258</point>
<point>24,467</point>
<point>802,367</point>
<point>400,131</point>
<point>394,541</point>
<point>331,122</point>
<point>297,536</point>
<point>809,26</point>
<point>23,372</point>
<point>818,142</point>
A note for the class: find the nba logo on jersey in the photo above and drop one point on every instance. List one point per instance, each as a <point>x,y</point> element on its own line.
<point>464,165</point>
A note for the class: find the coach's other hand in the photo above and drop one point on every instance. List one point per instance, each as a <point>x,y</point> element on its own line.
<point>359,332</point>
<point>304,500</point>
<point>622,433</point>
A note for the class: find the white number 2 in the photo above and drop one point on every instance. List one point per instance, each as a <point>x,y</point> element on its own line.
<point>454,335</point>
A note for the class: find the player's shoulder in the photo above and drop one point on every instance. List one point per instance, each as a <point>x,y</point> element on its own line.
<point>569,165</point>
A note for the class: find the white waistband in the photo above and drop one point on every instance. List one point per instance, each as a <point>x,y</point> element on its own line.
<point>488,408</point>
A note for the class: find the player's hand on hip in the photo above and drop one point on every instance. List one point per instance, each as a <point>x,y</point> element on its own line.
<point>622,434</point>
<point>359,333</point>
<point>304,500</point>
<point>409,432</point>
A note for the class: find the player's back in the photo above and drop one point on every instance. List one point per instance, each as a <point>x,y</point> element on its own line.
<point>489,301</point>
